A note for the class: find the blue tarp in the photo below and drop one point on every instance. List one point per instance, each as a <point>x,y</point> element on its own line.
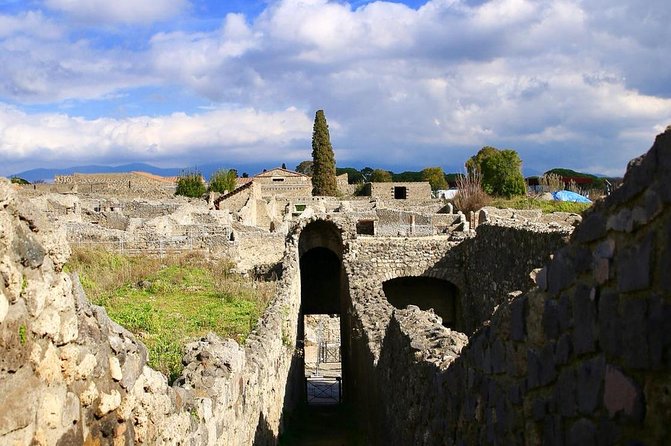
<point>567,195</point>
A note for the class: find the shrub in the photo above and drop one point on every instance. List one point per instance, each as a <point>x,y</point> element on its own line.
<point>551,182</point>
<point>471,196</point>
<point>190,185</point>
<point>223,181</point>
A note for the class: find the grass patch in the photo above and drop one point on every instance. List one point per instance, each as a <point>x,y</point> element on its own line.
<point>547,206</point>
<point>169,302</point>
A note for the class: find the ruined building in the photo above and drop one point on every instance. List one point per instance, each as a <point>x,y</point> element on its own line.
<point>522,333</point>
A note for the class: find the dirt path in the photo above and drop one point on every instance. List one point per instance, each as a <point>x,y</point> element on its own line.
<point>323,426</point>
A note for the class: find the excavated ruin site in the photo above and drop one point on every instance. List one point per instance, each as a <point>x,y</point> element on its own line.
<point>506,327</point>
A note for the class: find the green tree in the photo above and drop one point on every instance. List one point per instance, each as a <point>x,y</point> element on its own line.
<point>323,177</point>
<point>353,175</point>
<point>223,181</point>
<point>436,177</point>
<point>474,163</point>
<point>305,167</point>
<point>190,184</point>
<point>380,176</point>
<point>502,174</point>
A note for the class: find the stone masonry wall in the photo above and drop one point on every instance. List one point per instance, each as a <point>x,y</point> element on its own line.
<point>584,358</point>
<point>69,375</point>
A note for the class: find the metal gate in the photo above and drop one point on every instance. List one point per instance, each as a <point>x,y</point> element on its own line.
<point>324,385</point>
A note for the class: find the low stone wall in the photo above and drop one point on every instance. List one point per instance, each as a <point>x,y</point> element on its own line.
<point>581,359</point>
<point>69,375</point>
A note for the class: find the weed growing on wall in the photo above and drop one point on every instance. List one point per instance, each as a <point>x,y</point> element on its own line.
<point>171,301</point>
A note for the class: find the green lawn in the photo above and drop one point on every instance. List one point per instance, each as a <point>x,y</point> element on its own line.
<point>171,301</point>
<point>547,206</point>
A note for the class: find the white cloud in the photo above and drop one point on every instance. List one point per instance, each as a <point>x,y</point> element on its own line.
<point>119,11</point>
<point>234,134</point>
<point>32,23</point>
<point>565,82</point>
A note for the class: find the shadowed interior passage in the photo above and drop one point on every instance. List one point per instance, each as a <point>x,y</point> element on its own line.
<point>426,293</point>
<point>320,282</point>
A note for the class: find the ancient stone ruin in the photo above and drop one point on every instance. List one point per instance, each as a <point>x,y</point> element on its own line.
<point>523,331</point>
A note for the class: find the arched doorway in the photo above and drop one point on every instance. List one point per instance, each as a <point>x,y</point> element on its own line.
<point>324,325</point>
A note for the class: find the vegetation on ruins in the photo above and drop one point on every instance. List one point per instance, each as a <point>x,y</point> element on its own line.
<point>223,181</point>
<point>190,184</point>
<point>324,172</point>
<point>305,167</point>
<point>353,175</point>
<point>436,177</point>
<point>501,171</point>
<point>546,206</point>
<point>471,196</point>
<point>167,302</point>
<point>18,180</point>
<point>380,176</point>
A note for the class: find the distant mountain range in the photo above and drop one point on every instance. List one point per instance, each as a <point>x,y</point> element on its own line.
<point>48,175</point>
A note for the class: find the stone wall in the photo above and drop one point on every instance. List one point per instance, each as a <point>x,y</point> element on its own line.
<point>69,375</point>
<point>385,191</point>
<point>583,358</point>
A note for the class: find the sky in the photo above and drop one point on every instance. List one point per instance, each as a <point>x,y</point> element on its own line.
<point>580,84</point>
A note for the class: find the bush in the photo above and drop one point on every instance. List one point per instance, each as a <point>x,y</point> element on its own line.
<point>190,185</point>
<point>471,196</point>
<point>551,182</point>
<point>223,181</point>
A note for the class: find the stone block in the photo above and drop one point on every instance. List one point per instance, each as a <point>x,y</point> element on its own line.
<point>582,432</point>
<point>590,375</point>
<point>593,227</point>
<point>538,409</point>
<point>605,249</point>
<point>563,349</point>
<point>664,262</point>
<point>561,272</point>
<point>28,248</point>
<point>564,312</point>
<point>633,267</point>
<point>634,333</point>
<point>622,221</point>
<point>658,330</point>
<point>622,396</point>
<point>583,320</point>
<point>553,434</point>
<point>565,393</point>
<point>548,371</point>
<point>534,367</point>
<point>518,316</point>
<point>610,324</point>
<point>551,319</point>
<point>498,356</point>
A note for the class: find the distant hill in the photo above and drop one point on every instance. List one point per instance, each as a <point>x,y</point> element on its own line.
<point>49,174</point>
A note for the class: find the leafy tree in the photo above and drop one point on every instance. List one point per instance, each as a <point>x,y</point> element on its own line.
<point>474,163</point>
<point>353,175</point>
<point>323,177</point>
<point>435,176</point>
<point>190,184</point>
<point>223,181</point>
<point>502,174</point>
<point>305,167</point>
<point>407,176</point>
<point>380,176</point>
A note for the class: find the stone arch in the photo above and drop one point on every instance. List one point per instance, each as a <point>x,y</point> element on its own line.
<point>324,283</point>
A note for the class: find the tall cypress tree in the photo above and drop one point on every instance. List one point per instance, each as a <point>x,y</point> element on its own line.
<point>324,173</point>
